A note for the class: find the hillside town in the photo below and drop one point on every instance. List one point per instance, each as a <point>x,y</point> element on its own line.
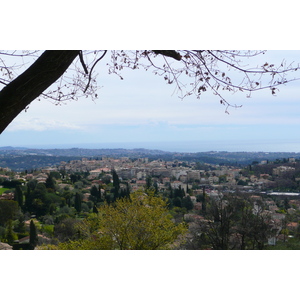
<point>57,197</point>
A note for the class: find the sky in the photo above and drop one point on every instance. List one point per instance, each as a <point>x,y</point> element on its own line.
<point>143,111</point>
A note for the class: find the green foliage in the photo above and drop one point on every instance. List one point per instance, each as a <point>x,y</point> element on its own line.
<point>10,235</point>
<point>231,224</point>
<point>116,185</point>
<point>139,223</point>
<point>18,195</point>
<point>2,233</point>
<point>20,224</point>
<point>55,174</point>
<point>2,190</point>
<point>78,202</point>
<point>187,203</point>
<point>75,177</point>
<point>149,182</point>
<point>95,194</point>
<point>48,230</point>
<point>290,244</point>
<point>8,211</point>
<point>50,183</point>
<point>33,234</point>
<point>10,183</point>
<point>66,229</point>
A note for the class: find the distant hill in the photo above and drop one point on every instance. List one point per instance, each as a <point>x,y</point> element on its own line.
<point>9,148</point>
<point>20,158</point>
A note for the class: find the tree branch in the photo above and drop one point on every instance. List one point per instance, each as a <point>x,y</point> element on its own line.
<point>19,93</point>
<point>90,74</point>
<point>169,53</point>
<point>82,62</point>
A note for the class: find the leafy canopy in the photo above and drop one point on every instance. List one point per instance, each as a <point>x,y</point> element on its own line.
<point>141,222</point>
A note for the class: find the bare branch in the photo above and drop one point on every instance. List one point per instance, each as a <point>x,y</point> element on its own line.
<point>169,53</point>
<point>90,74</point>
<point>82,62</point>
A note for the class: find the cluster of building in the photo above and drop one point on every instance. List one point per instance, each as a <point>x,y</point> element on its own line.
<point>214,178</point>
<point>176,172</point>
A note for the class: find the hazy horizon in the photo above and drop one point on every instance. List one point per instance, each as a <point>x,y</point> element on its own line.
<point>186,146</point>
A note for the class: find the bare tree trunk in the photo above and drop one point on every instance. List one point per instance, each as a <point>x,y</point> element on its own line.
<point>18,94</point>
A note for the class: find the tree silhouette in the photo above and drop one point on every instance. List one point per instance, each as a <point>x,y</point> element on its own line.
<point>203,70</point>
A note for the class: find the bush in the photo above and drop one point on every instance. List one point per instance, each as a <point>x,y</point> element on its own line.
<point>142,222</point>
<point>48,230</point>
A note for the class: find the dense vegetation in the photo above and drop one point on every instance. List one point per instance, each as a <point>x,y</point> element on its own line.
<point>61,210</point>
<point>110,218</point>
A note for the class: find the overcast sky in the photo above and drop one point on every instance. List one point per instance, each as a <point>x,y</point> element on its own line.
<point>143,111</point>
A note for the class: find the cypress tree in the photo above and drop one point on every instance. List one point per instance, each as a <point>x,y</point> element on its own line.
<point>100,195</point>
<point>116,184</point>
<point>204,201</point>
<point>33,235</point>
<point>149,182</point>
<point>95,193</point>
<point>50,183</point>
<point>187,203</point>
<point>28,199</point>
<point>77,202</point>
<point>18,196</point>
<point>95,210</point>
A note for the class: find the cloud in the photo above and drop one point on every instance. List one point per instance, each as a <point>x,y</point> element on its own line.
<point>37,124</point>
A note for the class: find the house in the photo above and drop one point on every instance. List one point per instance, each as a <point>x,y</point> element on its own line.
<point>166,180</point>
<point>23,244</point>
<point>282,169</point>
<point>96,172</point>
<point>141,183</point>
<point>41,177</point>
<point>198,206</point>
<point>194,199</point>
<point>7,196</point>
<point>292,226</point>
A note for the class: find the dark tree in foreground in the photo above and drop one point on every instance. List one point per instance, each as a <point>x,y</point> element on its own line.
<point>69,74</point>
<point>20,92</point>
